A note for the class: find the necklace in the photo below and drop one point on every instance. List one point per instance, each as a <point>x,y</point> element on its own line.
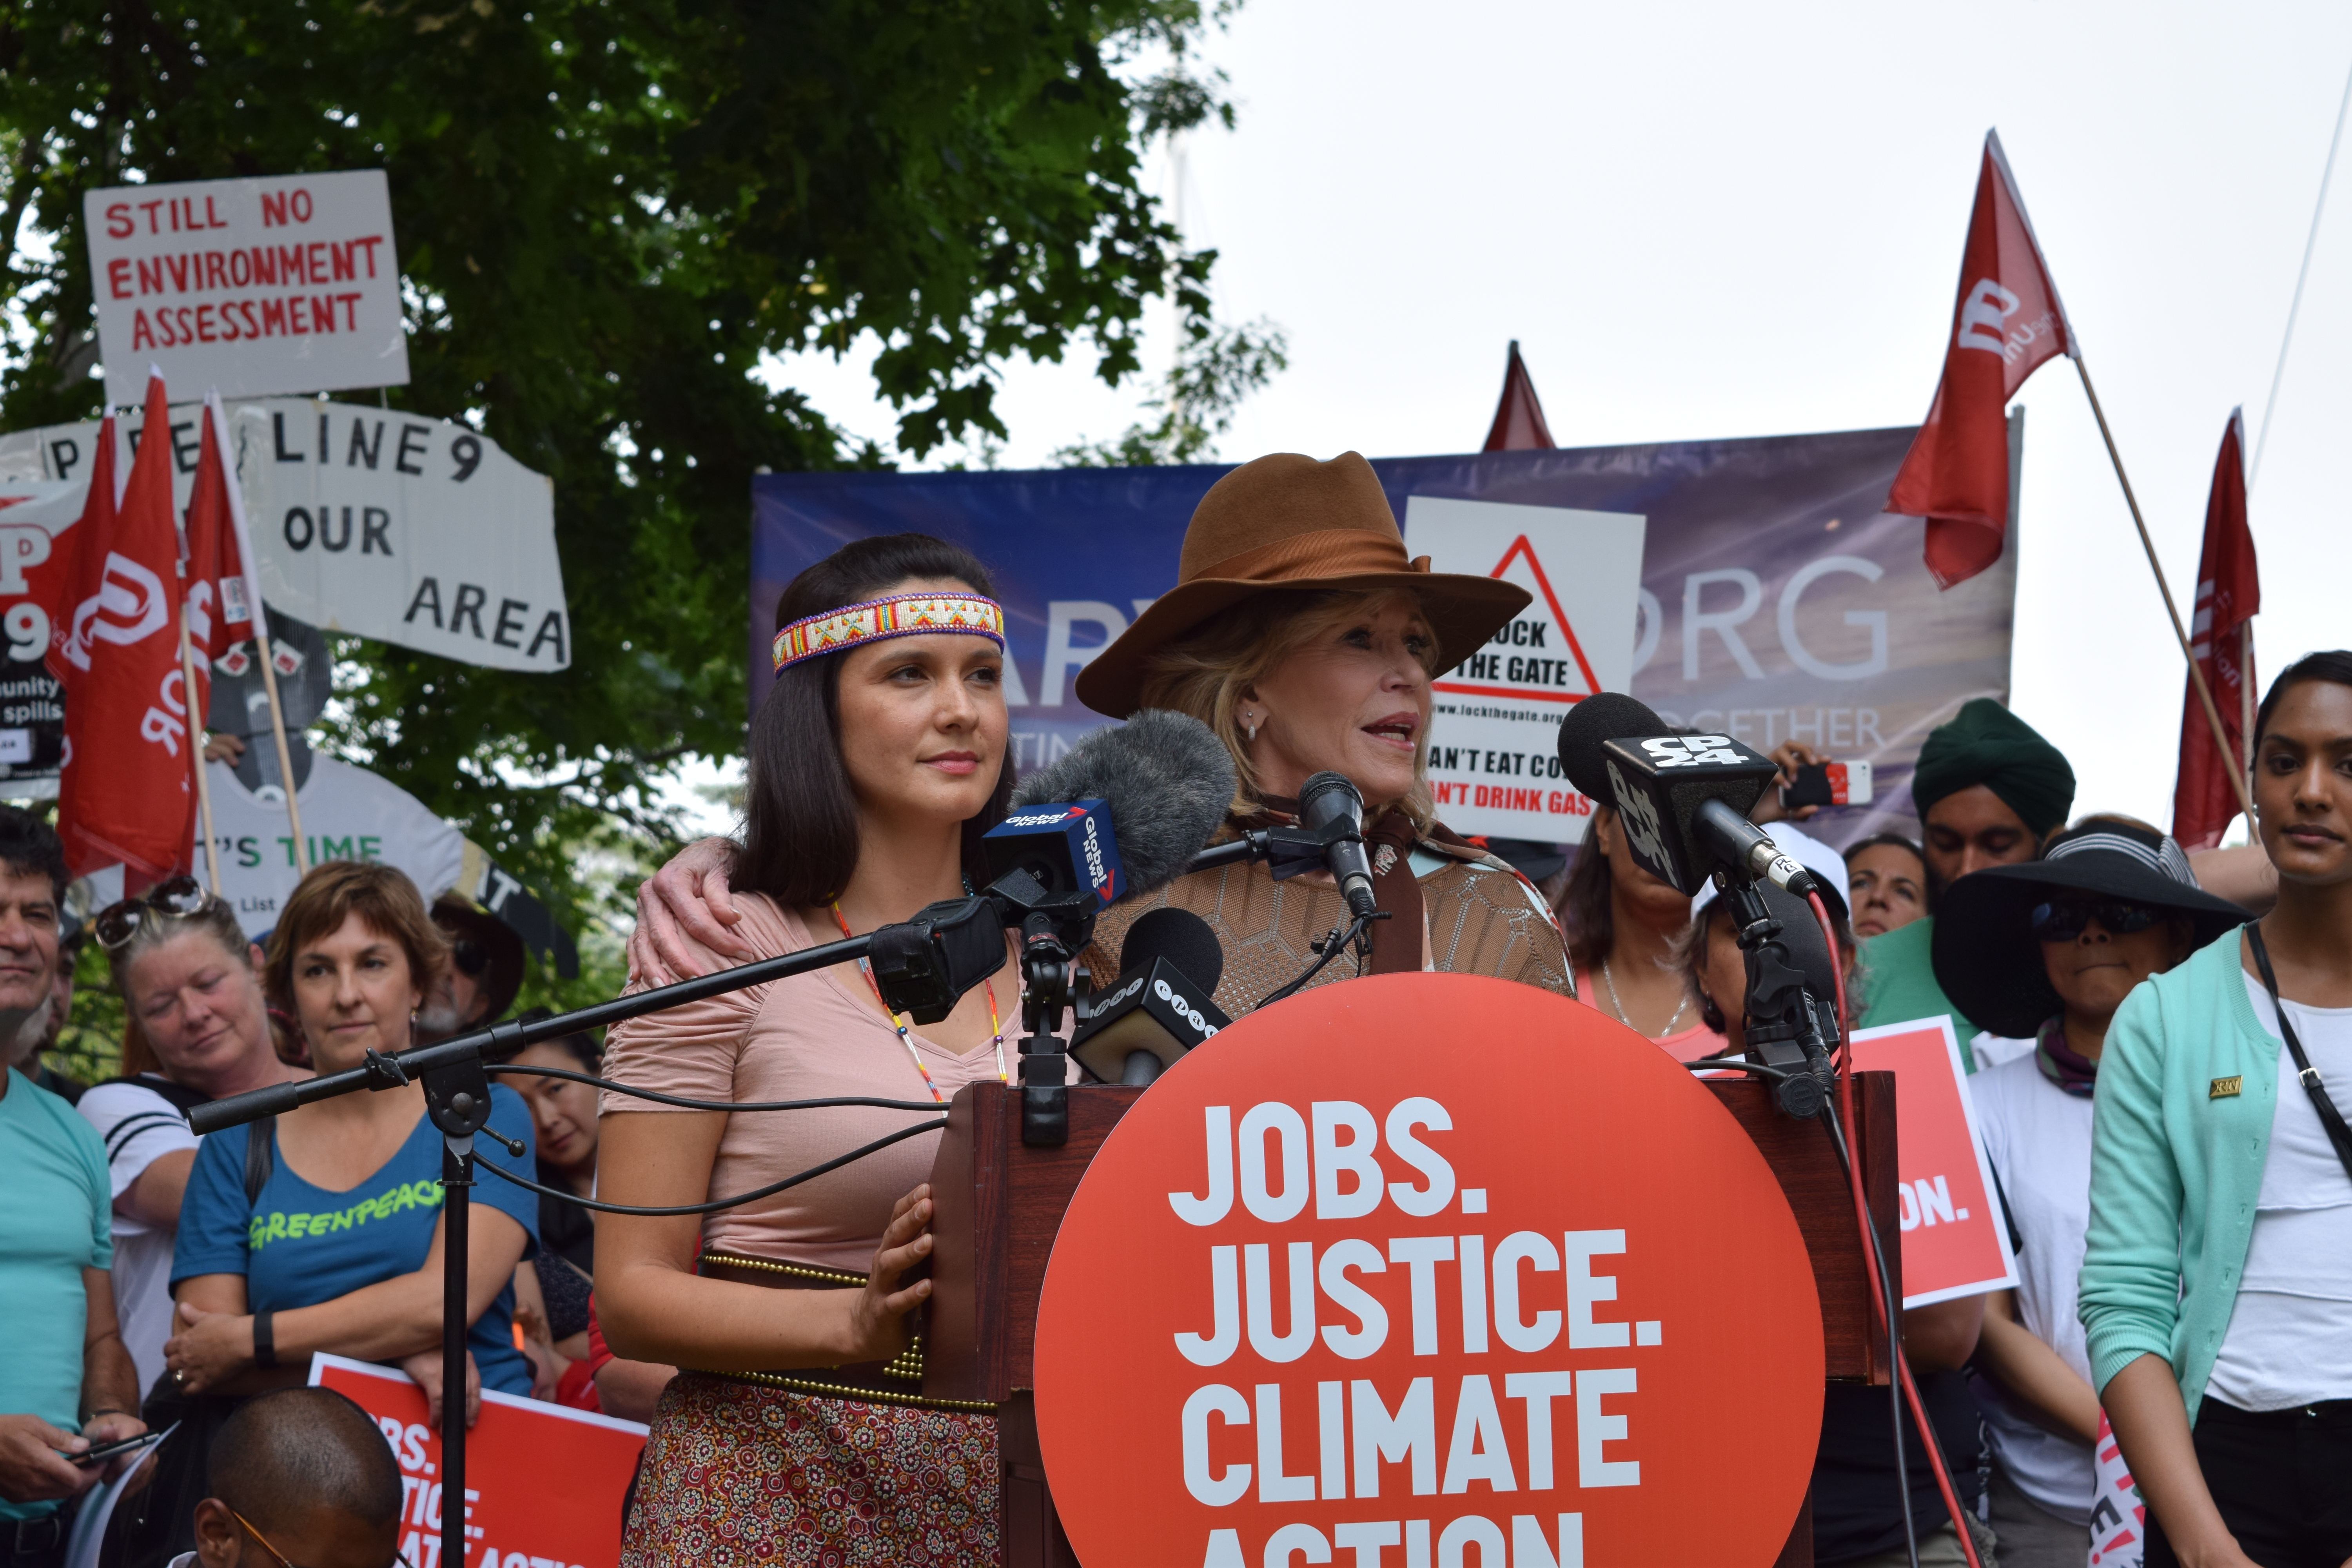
<point>1610,981</point>
<point>995,1027</point>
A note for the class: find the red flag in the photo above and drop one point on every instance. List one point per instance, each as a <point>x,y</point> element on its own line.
<point>1518,419</point>
<point>220,585</point>
<point>2222,641</point>
<point>2008,323</point>
<point>123,793</point>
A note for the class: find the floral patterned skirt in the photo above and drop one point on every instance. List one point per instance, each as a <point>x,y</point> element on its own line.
<point>737,1474</point>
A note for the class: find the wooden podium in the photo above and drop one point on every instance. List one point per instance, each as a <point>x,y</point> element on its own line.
<point>999,1204</point>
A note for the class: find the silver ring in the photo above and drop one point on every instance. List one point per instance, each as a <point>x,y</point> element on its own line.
<point>179,1377</point>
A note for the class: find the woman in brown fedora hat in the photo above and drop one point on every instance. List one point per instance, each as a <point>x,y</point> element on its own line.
<point>1302,635</point>
<point>1301,632</point>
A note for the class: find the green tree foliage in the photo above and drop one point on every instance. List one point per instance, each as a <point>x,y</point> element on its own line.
<point>1214,373</point>
<point>608,211</point>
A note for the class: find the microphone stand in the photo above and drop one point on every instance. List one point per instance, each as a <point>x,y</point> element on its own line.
<point>921,966</point>
<point>1784,1022</point>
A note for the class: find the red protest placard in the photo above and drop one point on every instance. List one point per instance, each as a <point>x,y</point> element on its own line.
<point>1955,1242</point>
<point>543,1483</point>
<point>1425,1263</point>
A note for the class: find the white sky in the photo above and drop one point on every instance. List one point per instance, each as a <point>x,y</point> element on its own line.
<point>1730,220</point>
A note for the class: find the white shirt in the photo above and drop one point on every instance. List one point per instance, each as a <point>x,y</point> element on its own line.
<point>348,814</point>
<point>2290,1336</point>
<point>2039,1139</point>
<point>139,1127</point>
<point>1991,1050</point>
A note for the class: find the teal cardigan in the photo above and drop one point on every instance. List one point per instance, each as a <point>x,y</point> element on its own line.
<point>2176,1169</point>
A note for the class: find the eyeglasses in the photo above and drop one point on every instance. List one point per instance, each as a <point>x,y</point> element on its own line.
<point>2064,921</point>
<point>399,1559</point>
<point>183,896</point>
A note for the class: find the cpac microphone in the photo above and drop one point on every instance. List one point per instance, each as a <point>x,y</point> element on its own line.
<point>1161,1008</point>
<point>1683,799</point>
<point>1330,808</point>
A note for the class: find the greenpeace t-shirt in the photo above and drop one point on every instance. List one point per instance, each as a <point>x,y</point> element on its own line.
<point>53,1224</point>
<point>300,1245</point>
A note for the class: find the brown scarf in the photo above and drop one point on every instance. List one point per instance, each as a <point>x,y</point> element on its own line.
<point>1388,841</point>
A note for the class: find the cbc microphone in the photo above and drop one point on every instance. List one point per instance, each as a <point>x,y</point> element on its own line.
<point>1331,806</point>
<point>1161,1008</point>
<point>1682,799</point>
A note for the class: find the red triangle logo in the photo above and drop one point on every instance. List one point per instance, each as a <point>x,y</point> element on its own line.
<point>1521,549</point>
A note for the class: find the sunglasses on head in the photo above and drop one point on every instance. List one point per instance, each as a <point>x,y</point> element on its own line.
<point>182,896</point>
<point>2064,921</point>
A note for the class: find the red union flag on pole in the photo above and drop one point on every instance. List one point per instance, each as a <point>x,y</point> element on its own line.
<point>221,586</point>
<point>124,792</point>
<point>2228,593</point>
<point>2008,323</point>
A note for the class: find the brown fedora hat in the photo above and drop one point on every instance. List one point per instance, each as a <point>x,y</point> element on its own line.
<point>1285,520</point>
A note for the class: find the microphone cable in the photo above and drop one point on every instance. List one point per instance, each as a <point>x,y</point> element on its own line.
<point>1881,1290</point>
<point>771,1190</point>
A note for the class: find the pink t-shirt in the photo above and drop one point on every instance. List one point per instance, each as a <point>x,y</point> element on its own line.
<point>808,1038</point>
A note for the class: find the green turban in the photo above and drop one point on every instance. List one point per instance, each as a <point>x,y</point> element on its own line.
<point>1987,744</point>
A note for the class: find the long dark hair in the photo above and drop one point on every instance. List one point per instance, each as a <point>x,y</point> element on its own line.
<point>2334,667</point>
<point>800,835</point>
<point>1585,908</point>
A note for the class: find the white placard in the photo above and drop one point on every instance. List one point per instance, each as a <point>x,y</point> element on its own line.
<point>284,284</point>
<point>1494,758</point>
<point>367,521</point>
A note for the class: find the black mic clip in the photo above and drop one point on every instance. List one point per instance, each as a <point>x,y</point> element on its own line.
<point>1783,1021</point>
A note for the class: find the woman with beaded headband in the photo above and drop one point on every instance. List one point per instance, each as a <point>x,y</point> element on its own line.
<point>876,764</point>
<point>1302,635</point>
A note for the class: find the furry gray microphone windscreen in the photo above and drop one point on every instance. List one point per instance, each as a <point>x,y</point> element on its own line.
<point>1168,780</point>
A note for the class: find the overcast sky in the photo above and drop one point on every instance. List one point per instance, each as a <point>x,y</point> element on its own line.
<point>1731,220</point>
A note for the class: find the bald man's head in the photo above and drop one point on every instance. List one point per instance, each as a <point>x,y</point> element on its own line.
<point>286,1457</point>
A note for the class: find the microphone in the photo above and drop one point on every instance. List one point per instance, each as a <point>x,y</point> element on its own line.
<point>1682,799</point>
<point>1330,808</point>
<point>1161,1008</point>
<point>1163,781</point>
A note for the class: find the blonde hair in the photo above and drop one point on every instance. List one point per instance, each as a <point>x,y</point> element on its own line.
<point>1204,672</point>
<point>156,927</point>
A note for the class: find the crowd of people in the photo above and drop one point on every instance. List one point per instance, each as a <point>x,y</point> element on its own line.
<point>2150,1035</point>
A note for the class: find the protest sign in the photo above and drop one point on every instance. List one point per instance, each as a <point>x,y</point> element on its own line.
<point>32,698</point>
<point>367,521</point>
<point>348,814</point>
<point>544,1482</point>
<point>1777,602</point>
<point>2118,1513</point>
<point>287,283</point>
<point>1371,1292</point>
<point>1494,762</point>
<point>1955,1238</point>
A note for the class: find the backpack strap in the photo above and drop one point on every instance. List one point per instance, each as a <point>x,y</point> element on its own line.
<point>260,1138</point>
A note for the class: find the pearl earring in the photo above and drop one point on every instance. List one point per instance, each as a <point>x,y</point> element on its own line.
<point>1249,727</point>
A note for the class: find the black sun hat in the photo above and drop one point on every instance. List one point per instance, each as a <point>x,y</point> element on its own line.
<point>1986,958</point>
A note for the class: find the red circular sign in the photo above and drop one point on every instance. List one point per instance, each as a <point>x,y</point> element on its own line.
<point>1423,1271</point>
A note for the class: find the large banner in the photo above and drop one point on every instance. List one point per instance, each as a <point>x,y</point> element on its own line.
<point>1777,602</point>
<point>367,521</point>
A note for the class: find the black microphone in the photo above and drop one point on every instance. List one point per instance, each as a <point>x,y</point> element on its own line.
<point>1162,1007</point>
<point>1167,781</point>
<point>1682,799</point>
<point>1330,808</point>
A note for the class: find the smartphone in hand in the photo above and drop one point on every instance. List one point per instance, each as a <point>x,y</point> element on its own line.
<point>1828,784</point>
<point>102,1452</point>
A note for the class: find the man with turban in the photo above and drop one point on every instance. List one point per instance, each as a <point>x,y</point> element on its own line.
<point>1988,789</point>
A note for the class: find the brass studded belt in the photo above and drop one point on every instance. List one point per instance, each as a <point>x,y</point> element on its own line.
<point>899,1381</point>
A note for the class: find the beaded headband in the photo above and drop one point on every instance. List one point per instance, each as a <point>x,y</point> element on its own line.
<point>899,616</point>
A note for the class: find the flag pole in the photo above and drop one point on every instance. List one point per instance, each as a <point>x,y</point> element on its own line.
<point>286,757</point>
<point>2196,675</point>
<point>2246,711</point>
<point>196,728</point>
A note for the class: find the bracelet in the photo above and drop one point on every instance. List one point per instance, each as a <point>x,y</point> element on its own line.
<point>265,1339</point>
<point>108,1410</point>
